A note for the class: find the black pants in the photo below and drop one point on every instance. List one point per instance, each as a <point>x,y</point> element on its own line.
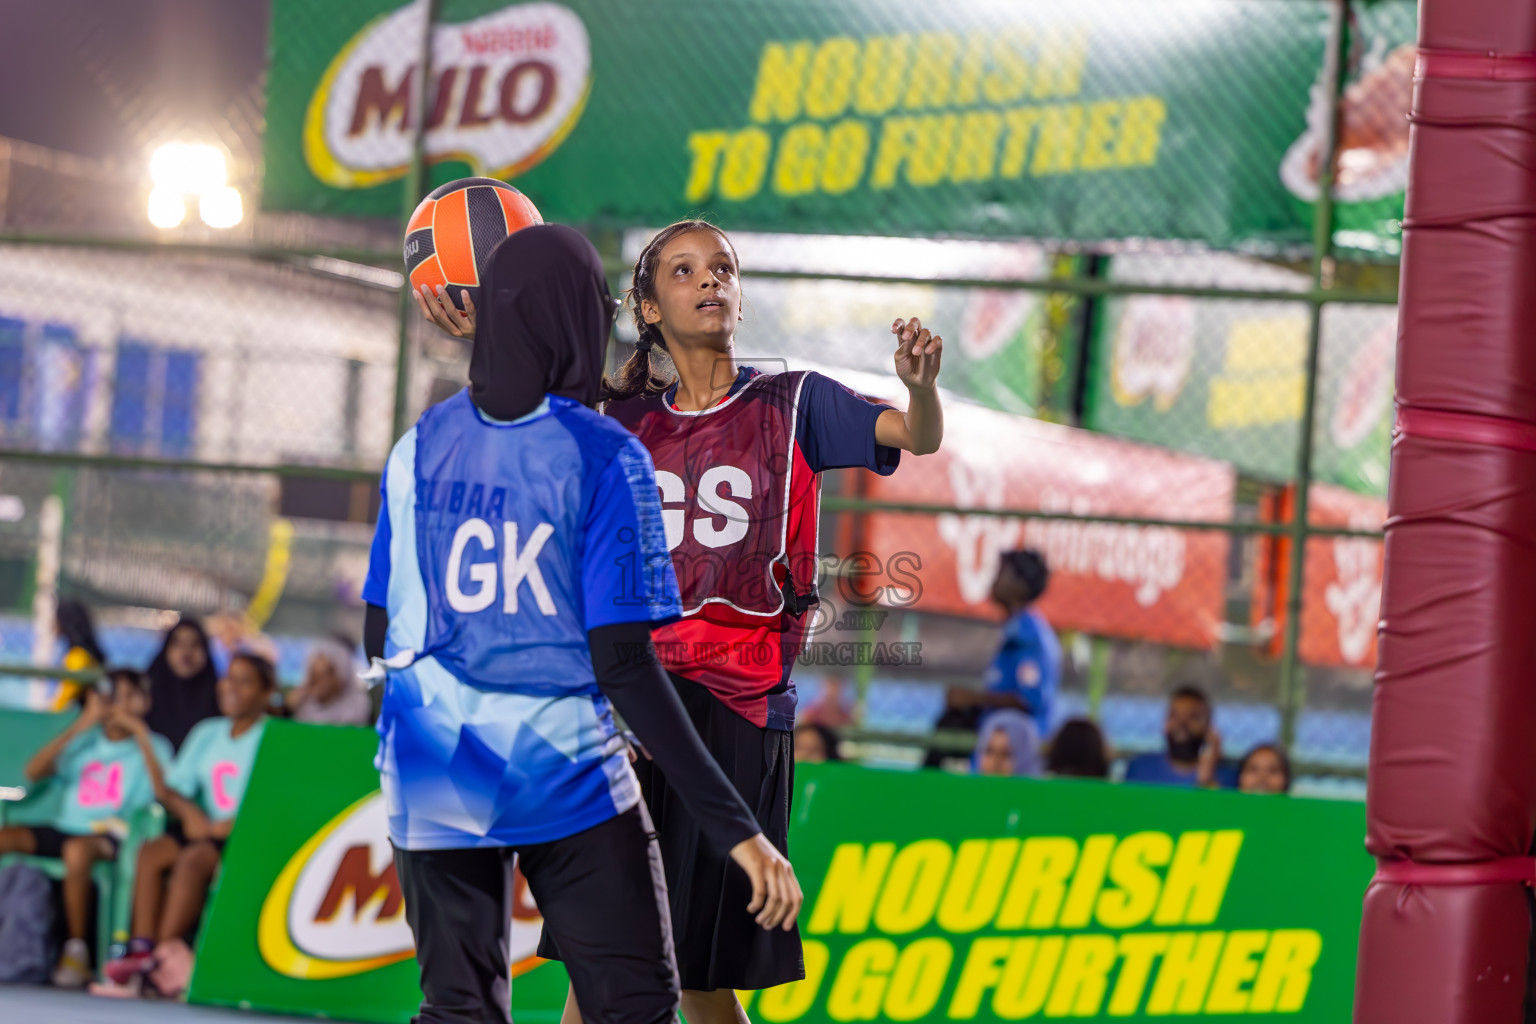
<point>604,900</point>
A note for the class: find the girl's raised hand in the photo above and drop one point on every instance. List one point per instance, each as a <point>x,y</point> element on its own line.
<point>439,309</point>
<point>918,351</point>
<point>128,723</point>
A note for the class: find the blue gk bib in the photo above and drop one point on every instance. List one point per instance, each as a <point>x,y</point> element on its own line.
<point>500,510</point>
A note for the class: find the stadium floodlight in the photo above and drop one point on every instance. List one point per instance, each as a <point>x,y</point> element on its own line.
<point>166,209</point>
<point>221,207</point>
<point>185,167</point>
<point>183,171</point>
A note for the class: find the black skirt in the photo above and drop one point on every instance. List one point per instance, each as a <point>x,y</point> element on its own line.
<point>718,943</point>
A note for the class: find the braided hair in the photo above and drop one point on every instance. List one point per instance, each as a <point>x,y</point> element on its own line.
<point>637,376</point>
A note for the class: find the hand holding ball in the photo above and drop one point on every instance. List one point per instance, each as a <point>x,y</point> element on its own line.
<point>453,231</point>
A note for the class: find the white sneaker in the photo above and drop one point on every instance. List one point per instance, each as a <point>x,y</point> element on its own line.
<point>74,969</point>
<point>109,989</point>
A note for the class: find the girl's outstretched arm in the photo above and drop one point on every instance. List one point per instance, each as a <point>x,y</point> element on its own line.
<point>920,429</point>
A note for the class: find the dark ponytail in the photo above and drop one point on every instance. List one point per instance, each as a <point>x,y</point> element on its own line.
<point>637,376</point>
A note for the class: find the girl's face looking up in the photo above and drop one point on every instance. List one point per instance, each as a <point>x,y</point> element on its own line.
<point>697,299</point>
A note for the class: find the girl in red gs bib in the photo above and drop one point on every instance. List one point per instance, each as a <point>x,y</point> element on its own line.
<point>738,455</point>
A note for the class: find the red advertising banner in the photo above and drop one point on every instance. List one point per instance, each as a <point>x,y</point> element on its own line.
<point>1341,597</point>
<point>1341,602</point>
<point>1140,582</point>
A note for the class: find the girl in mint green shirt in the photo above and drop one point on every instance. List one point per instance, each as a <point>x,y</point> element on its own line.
<point>214,766</point>
<point>203,789</point>
<point>107,775</point>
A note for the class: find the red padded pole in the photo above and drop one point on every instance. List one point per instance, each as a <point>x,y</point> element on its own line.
<point>1453,748</point>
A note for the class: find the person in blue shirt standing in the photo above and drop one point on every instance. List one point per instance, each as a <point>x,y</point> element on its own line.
<point>1026,671</point>
<point>519,564</point>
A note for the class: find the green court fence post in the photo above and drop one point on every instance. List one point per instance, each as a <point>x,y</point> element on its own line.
<point>609,243</point>
<point>1291,681</point>
<point>1098,674</point>
<point>65,480</point>
<point>412,195</point>
<point>1082,395</point>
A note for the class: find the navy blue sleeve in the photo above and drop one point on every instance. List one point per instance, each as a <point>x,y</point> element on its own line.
<point>629,674</point>
<point>835,429</point>
<point>626,571</point>
<point>376,587</point>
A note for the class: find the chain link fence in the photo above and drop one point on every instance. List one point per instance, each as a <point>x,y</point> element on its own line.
<point>1169,424</point>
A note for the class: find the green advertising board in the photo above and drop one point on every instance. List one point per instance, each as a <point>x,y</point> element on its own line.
<point>304,776</point>
<point>1226,379</point>
<point>1105,119</point>
<point>940,897</point>
<point>307,918</point>
<point>928,896</point>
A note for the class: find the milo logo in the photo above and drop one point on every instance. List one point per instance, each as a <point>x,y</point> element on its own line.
<point>506,89</point>
<point>1153,350</point>
<point>336,908</point>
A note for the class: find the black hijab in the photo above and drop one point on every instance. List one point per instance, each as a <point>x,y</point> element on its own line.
<point>177,703</point>
<point>545,327</point>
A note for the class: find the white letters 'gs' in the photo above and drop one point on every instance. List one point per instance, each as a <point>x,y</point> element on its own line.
<point>517,566</point>
<point>735,482</point>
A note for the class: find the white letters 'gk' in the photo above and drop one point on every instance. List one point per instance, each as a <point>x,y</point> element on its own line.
<point>517,566</point>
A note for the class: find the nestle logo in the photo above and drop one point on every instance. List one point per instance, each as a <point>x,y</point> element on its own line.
<point>510,40</point>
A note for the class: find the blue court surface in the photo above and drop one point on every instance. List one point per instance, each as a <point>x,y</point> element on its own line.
<point>26,1005</point>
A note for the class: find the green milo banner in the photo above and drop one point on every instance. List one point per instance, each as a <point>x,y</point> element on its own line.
<point>1103,119</point>
<point>928,897</point>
